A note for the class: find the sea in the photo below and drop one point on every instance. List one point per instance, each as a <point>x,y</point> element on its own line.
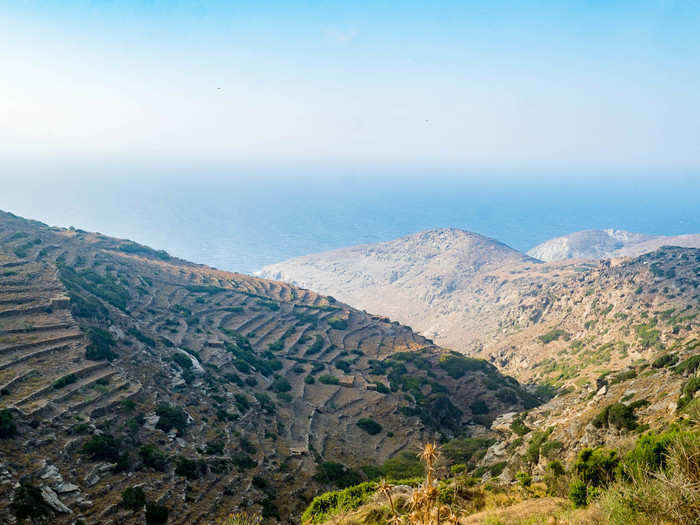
<point>242,222</point>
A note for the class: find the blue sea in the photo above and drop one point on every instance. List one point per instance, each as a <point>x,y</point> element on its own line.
<point>241,223</point>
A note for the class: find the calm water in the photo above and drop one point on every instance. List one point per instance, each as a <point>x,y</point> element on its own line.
<point>244,223</point>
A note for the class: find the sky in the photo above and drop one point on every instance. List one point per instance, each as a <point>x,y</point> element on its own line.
<point>104,86</point>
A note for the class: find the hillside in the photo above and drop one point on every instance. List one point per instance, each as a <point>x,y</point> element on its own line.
<point>618,346</point>
<point>452,286</point>
<point>603,244</point>
<point>124,368</point>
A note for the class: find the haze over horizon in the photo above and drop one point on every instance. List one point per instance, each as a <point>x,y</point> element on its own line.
<point>200,86</point>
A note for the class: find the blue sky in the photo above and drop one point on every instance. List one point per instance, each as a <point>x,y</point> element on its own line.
<point>559,87</point>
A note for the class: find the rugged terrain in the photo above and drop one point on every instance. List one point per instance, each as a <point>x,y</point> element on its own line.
<point>453,286</point>
<point>469,292</point>
<point>604,244</point>
<point>124,368</point>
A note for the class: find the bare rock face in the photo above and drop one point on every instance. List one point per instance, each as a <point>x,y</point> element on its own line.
<point>601,244</point>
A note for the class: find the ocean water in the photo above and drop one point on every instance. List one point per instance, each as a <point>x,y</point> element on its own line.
<point>241,223</point>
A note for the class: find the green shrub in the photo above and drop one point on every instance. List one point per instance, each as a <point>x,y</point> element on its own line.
<point>280,384</point>
<point>370,426</point>
<point>8,428</point>
<point>243,461</point>
<point>171,417</point>
<point>403,465</point>
<point>151,456</point>
<point>309,380</point>
<point>664,361</point>
<point>100,346</point>
<point>190,468</point>
<point>382,388</point>
<point>266,403</point>
<point>182,360</point>
<point>524,479</point>
<point>478,406</point>
<point>102,447</point>
<point>497,468</point>
<point>518,427</point>
<point>329,504</point>
<point>133,498</point>
<point>328,379</point>
<point>338,323</point>
<point>337,474</point>
<point>156,514</point>
<point>689,366</point>
<point>457,365</point>
<point>554,335</point>
<point>623,376</point>
<point>617,415</point>
<point>28,502</point>
<point>578,493</point>
<point>688,390</point>
<point>65,381</point>
<point>597,467</point>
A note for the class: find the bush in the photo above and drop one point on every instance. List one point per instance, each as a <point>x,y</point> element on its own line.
<point>578,493</point>
<point>338,323</point>
<point>190,468</point>
<point>478,406</point>
<point>156,514</point>
<point>456,365</point>
<point>103,447</point>
<point>152,457</point>
<point>403,465</point>
<point>64,381</point>
<point>370,426</point>
<point>554,335</point>
<point>8,428</point>
<point>596,467</point>
<point>669,494</point>
<point>518,427</point>
<point>665,361</point>
<point>133,498</point>
<point>688,392</point>
<point>309,380</point>
<point>617,415</point>
<point>337,474</point>
<point>182,360</point>
<point>29,503</point>
<point>524,479</point>
<point>243,461</point>
<point>280,384</point>
<point>100,346</point>
<point>327,379</point>
<point>329,504</point>
<point>689,366</point>
<point>171,417</point>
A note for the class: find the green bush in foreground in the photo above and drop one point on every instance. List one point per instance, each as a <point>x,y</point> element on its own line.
<point>331,503</point>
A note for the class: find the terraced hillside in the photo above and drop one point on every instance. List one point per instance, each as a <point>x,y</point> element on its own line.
<point>124,368</point>
<point>615,315</point>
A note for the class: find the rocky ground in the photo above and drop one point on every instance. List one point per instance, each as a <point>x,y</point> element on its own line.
<point>124,368</point>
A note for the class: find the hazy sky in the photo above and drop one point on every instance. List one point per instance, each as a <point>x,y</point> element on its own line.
<point>594,85</point>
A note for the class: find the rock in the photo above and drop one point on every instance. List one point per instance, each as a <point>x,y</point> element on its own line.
<point>67,487</point>
<point>502,422</point>
<point>51,499</point>
<point>151,422</point>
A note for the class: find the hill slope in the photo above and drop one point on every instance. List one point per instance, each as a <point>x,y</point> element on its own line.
<point>122,366</point>
<point>446,283</point>
<point>602,244</point>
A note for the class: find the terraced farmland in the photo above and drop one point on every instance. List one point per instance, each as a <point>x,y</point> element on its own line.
<point>120,363</point>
